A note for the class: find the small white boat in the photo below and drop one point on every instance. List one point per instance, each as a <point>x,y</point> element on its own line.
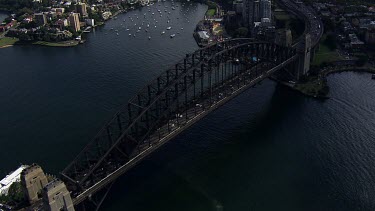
<point>163,32</point>
<point>173,35</point>
<point>149,38</point>
<point>169,28</point>
<point>130,34</point>
<point>182,28</point>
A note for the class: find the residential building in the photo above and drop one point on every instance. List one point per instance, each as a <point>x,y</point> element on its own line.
<point>40,19</point>
<point>90,22</point>
<point>370,36</point>
<point>265,9</point>
<point>74,21</point>
<point>62,23</point>
<point>81,9</point>
<point>238,6</point>
<point>254,11</point>
<point>355,42</point>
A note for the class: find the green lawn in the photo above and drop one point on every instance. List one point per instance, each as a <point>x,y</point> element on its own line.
<point>325,54</point>
<point>7,41</point>
<point>211,12</point>
<point>282,15</point>
<point>57,44</point>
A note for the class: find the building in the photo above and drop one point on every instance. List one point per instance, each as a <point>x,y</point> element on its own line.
<point>62,23</point>
<point>247,13</point>
<point>238,6</point>
<point>58,10</point>
<point>265,9</point>
<point>40,19</point>
<point>81,9</point>
<point>355,43</point>
<point>74,22</point>
<point>10,179</point>
<point>254,11</point>
<point>370,36</point>
<point>90,22</point>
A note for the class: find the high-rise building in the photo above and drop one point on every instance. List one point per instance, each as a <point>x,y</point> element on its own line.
<point>74,21</point>
<point>40,18</point>
<point>265,9</point>
<point>81,9</point>
<point>254,11</point>
<point>247,13</point>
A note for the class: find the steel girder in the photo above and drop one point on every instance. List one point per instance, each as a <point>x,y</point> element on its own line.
<point>166,105</point>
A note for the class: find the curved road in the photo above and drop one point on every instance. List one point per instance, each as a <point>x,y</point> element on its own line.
<point>313,23</point>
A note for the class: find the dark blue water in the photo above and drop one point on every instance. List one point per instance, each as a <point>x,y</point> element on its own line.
<point>3,15</point>
<point>268,149</point>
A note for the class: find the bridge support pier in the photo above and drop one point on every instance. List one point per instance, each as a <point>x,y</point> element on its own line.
<point>56,197</point>
<point>33,180</point>
<point>303,63</point>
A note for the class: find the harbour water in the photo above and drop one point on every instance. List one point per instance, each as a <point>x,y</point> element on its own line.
<point>3,15</point>
<point>268,149</point>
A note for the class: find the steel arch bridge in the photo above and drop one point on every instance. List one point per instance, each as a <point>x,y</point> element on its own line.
<point>176,99</point>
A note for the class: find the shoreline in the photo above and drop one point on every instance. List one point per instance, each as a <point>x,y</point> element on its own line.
<point>317,86</point>
<point>60,44</point>
<point>6,46</point>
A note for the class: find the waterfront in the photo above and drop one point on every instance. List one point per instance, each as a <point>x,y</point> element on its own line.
<point>268,149</point>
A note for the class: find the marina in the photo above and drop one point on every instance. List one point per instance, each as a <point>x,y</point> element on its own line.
<point>134,23</point>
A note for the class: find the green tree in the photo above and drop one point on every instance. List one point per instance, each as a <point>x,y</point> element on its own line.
<point>241,32</point>
<point>24,37</point>
<point>16,193</point>
<point>361,61</point>
<point>330,42</point>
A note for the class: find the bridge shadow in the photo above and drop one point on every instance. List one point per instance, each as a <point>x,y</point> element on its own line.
<point>168,178</point>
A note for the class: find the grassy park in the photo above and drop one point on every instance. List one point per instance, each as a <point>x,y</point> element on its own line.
<point>211,12</point>
<point>325,54</point>
<point>57,44</point>
<point>7,41</point>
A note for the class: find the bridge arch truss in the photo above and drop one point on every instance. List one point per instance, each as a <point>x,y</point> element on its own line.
<point>175,100</point>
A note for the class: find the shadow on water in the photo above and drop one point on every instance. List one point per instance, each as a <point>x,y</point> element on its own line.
<point>196,170</point>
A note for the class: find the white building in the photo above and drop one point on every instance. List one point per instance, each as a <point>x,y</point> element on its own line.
<point>90,22</point>
<point>10,179</point>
